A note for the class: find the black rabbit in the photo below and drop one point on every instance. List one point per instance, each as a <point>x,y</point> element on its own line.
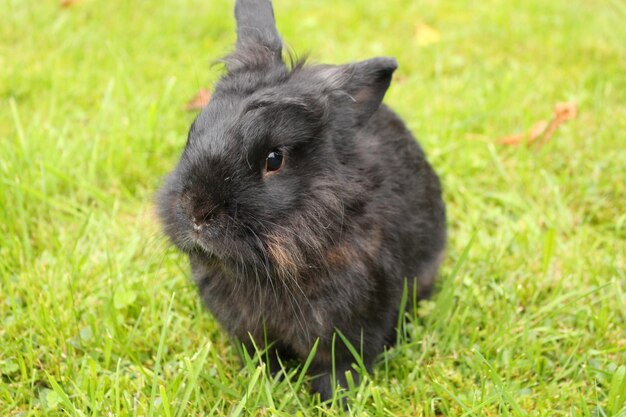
<point>304,204</point>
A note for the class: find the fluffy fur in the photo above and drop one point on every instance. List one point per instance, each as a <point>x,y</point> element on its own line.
<point>325,243</point>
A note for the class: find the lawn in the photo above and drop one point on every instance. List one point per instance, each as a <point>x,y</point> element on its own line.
<point>98,315</point>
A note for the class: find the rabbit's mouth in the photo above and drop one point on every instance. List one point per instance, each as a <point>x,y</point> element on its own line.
<point>213,244</point>
<point>200,244</point>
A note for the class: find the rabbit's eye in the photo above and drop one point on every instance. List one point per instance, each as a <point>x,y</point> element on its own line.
<point>274,160</point>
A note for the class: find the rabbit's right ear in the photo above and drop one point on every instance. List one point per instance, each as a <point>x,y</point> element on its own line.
<point>256,29</point>
<point>364,83</point>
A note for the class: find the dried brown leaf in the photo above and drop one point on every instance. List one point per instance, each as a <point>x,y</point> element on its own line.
<point>515,139</point>
<point>68,3</point>
<point>565,111</point>
<point>537,130</point>
<point>542,130</point>
<point>562,113</point>
<point>199,101</point>
<point>426,35</point>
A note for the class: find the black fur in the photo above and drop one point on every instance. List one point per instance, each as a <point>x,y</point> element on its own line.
<point>327,241</point>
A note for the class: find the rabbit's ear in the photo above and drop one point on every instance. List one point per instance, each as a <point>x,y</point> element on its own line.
<point>256,26</point>
<point>365,83</point>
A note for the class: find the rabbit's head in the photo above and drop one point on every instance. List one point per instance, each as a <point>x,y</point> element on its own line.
<point>269,176</point>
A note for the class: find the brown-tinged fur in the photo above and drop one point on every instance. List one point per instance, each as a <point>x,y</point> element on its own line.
<point>285,261</point>
<point>340,256</point>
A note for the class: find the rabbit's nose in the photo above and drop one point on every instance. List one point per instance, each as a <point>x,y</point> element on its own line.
<point>201,223</point>
<point>202,216</point>
<point>198,226</point>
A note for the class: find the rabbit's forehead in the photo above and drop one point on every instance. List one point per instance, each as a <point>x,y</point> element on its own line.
<point>208,141</point>
<point>216,125</point>
<point>234,125</point>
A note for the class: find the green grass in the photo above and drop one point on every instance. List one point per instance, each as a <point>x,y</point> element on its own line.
<point>98,315</point>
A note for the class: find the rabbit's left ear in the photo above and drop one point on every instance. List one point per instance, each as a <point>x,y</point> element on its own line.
<point>256,27</point>
<point>365,83</point>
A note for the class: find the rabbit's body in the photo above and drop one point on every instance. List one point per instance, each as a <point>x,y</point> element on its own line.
<point>325,241</point>
<point>355,281</point>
